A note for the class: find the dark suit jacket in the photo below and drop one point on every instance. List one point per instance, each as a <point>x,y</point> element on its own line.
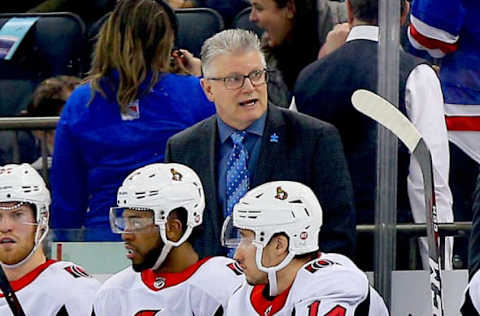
<point>308,151</point>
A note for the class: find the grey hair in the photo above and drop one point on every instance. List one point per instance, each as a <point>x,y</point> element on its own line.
<point>229,42</point>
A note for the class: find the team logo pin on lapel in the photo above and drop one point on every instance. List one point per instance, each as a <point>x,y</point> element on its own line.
<point>274,138</point>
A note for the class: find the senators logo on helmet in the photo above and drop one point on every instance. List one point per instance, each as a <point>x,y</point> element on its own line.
<point>176,176</point>
<point>281,195</point>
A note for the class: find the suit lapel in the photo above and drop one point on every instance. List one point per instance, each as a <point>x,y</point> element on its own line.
<point>209,155</point>
<point>273,146</point>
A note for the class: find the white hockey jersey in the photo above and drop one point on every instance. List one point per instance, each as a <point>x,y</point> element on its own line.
<point>55,288</point>
<point>330,285</point>
<point>203,289</point>
<point>471,297</point>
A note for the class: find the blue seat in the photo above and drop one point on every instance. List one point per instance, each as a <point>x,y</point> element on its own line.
<point>55,45</point>
<point>195,25</point>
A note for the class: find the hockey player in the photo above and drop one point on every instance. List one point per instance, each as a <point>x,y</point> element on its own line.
<point>158,207</point>
<point>43,287</point>
<point>275,229</point>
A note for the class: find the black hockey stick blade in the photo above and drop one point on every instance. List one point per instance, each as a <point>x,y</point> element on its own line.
<point>385,113</point>
<point>9,294</point>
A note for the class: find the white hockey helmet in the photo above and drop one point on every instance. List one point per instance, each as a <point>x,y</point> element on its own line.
<point>23,184</point>
<point>161,187</point>
<point>277,207</point>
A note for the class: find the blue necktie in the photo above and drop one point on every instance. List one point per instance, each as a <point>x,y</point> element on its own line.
<point>237,174</point>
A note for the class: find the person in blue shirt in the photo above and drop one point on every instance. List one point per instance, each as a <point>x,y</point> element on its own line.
<point>121,118</point>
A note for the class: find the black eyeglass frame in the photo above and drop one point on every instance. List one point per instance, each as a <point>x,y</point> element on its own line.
<point>264,71</point>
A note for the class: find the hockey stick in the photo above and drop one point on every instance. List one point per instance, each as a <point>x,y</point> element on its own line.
<point>9,294</point>
<point>391,118</point>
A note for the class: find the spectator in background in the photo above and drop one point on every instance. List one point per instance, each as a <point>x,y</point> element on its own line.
<point>294,32</point>
<point>122,117</point>
<point>449,31</point>
<point>324,90</point>
<point>254,141</point>
<point>48,100</point>
<point>182,4</point>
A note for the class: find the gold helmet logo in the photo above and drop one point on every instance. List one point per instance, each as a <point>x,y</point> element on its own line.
<point>176,176</point>
<point>281,195</point>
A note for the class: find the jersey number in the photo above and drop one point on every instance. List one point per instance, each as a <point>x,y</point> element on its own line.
<point>336,311</point>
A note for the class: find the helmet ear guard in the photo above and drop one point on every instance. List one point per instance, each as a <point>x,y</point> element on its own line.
<point>162,188</point>
<point>284,207</point>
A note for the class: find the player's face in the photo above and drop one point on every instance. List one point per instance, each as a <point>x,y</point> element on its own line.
<point>245,256</point>
<point>17,232</point>
<point>143,244</point>
<point>239,107</point>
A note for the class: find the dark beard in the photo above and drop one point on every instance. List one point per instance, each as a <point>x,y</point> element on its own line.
<point>150,259</point>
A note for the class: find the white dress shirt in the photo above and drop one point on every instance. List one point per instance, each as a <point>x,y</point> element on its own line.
<point>424,105</point>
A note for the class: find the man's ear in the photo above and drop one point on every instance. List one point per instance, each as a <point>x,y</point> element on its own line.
<point>174,229</point>
<point>280,244</point>
<point>291,9</point>
<point>275,251</point>
<point>404,15</point>
<point>350,16</point>
<point>207,88</point>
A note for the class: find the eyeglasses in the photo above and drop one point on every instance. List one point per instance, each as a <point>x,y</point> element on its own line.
<point>236,81</point>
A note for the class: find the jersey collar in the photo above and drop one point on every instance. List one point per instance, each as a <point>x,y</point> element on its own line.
<point>29,277</point>
<point>264,305</point>
<point>158,281</point>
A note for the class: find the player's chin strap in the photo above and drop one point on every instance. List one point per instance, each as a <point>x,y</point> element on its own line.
<point>39,235</point>
<point>272,271</point>
<point>168,245</point>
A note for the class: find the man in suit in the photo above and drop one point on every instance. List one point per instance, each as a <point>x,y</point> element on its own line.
<point>324,89</point>
<point>276,144</point>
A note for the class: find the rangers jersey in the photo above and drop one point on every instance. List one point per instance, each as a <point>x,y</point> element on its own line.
<point>330,285</point>
<point>202,289</point>
<point>448,29</point>
<point>55,288</point>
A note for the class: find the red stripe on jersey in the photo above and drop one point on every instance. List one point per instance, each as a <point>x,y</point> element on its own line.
<point>337,311</point>
<point>313,308</point>
<point>463,123</point>
<point>262,305</point>
<point>151,279</point>
<point>29,277</point>
<point>431,43</point>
